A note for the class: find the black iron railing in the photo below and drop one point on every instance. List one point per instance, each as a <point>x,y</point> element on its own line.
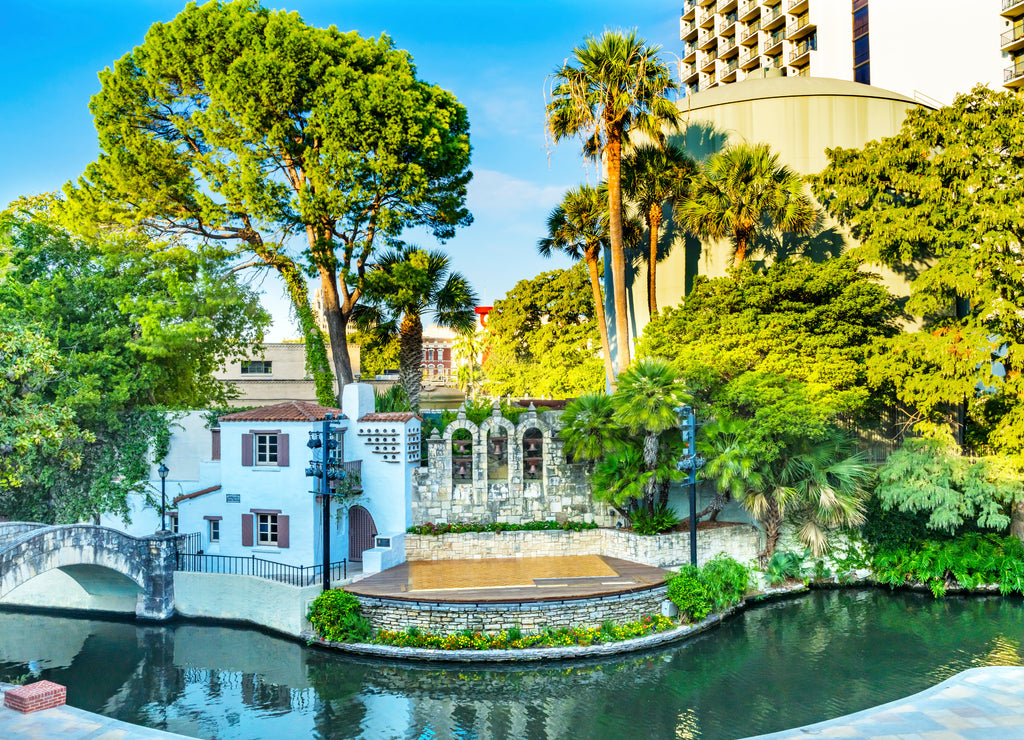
<point>293,575</point>
<point>190,543</point>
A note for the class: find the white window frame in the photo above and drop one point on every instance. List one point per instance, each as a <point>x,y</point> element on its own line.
<point>213,530</point>
<point>268,455</point>
<point>257,367</point>
<point>173,522</point>
<point>266,530</point>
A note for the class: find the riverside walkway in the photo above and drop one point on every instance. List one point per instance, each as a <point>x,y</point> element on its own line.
<point>978,704</point>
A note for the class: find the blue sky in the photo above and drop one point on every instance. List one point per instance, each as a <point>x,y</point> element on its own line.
<point>495,57</point>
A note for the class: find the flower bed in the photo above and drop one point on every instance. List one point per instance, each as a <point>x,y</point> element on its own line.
<point>513,639</point>
<point>430,528</point>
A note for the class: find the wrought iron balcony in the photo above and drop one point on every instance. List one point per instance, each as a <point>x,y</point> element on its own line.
<point>1012,39</point>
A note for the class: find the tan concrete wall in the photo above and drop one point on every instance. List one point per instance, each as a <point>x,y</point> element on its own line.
<point>740,542</point>
<point>258,601</point>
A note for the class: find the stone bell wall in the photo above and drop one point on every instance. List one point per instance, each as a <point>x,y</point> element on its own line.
<point>560,492</point>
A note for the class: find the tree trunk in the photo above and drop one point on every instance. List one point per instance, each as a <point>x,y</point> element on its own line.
<point>653,227</point>
<point>606,350</point>
<point>1017,519</point>
<point>410,358</point>
<point>651,463</point>
<point>613,163</point>
<point>772,524</point>
<point>741,251</point>
<point>337,324</point>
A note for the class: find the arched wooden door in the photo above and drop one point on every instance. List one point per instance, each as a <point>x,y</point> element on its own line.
<point>361,532</point>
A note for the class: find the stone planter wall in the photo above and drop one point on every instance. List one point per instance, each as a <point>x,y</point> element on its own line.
<point>446,618</point>
<point>740,542</point>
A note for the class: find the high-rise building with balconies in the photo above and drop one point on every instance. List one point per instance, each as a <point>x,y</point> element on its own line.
<point>920,48</point>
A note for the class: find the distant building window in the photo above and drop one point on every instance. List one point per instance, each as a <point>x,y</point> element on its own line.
<point>256,367</point>
<point>214,525</point>
<point>266,529</point>
<point>172,523</point>
<point>862,74</point>
<point>266,449</point>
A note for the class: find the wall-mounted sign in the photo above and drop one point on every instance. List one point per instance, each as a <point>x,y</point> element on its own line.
<point>233,498</point>
<point>383,542</point>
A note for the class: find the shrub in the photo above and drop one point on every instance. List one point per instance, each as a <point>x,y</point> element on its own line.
<point>460,527</point>
<point>335,617</point>
<point>690,593</point>
<point>785,566</point>
<point>660,520</point>
<point>727,581</point>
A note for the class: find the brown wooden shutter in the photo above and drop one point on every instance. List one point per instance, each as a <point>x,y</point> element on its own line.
<point>282,450</point>
<point>247,529</point>
<point>282,530</point>
<point>247,450</point>
<point>215,441</point>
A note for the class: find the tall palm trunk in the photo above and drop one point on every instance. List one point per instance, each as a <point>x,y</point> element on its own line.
<point>653,226</point>
<point>613,154</point>
<point>651,463</point>
<point>410,356</point>
<point>1017,520</point>
<point>741,251</point>
<point>772,523</point>
<point>606,349</point>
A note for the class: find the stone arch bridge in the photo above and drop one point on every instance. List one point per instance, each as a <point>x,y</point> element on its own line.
<point>28,549</point>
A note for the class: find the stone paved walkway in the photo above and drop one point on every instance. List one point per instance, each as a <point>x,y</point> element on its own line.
<point>978,704</point>
<point>68,723</point>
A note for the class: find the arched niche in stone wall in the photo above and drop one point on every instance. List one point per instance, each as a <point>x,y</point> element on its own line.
<point>533,454</point>
<point>499,435</point>
<point>461,437</point>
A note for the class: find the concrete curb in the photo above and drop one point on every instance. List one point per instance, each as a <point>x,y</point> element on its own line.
<point>575,652</point>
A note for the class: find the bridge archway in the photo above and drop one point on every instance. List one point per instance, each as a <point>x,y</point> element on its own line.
<point>147,562</point>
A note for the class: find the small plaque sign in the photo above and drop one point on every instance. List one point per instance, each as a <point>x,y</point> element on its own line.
<point>383,542</point>
<point>233,498</point>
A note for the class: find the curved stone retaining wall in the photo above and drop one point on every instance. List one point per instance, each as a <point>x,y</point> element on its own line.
<point>740,542</point>
<point>446,618</point>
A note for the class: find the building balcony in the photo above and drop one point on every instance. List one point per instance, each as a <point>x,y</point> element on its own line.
<point>796,6</point>
<point>705,3</point>
<point>690,53</point>
<point>707,40</point>
<point>773,44</point>
<point>690,73</point>
<point>800,54</point>
<point>689,10</point>
<point>727,48</point>
<point>749,58</point>
<point>706,18</point>
<point>1012,40</point>
<point>752,9</point>
<point>708,81</point>
<point>727,70</point>
<point>728,27</point>
<point>1013,77</point>
<point>707,64</point>
<point>800,28</point>
<point>773,18</point>
<point>687,30</point>
<point>1012,8</point>
<point>749,35</point>
<point>724,6</point>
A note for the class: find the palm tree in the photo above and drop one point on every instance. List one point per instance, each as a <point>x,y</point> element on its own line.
<point>652,176</point>
<point>819,487</point>
<point>589,427</point>
<point>617,86</point>
<point>579,228</point>
<point>730,464</point>
<point>739,189</point>
<point>406,284</point>
<point>645,403</point>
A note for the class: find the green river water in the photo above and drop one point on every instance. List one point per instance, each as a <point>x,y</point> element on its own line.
<point>779,665</point>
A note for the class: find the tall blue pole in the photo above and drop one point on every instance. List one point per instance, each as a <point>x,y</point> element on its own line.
<point>691,429</point>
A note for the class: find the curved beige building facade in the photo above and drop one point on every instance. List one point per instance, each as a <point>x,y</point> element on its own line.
<point>799,117</point>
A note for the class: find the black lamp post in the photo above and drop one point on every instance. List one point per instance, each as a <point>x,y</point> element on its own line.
<point>690,462</point>
<point>163,470</point>
<point>324,470</point>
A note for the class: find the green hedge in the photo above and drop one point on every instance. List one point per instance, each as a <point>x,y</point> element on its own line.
<point>721,583</point>
<point>460,527</point>
<point>335,616</point>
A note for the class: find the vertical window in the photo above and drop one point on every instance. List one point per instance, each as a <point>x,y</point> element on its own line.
<point>172,522</point>
<point>214,530</point>
<point>861,45</point>
<point>266,529</point>
<point>266,449</point>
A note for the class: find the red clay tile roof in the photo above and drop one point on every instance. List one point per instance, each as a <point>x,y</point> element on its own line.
<point>196,494</point>
<point>287,411</point>
<point>402,416</point>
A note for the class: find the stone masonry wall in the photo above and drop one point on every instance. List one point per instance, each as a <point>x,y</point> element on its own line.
<point>561,493</point>
<point>445,618</point>
<point>740,542</point>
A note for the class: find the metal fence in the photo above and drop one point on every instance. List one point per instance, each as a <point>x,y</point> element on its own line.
<point>293,575</point>
<point>190,543</point>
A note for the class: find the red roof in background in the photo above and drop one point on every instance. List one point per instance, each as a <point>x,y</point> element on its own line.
<point>402,416</point>
<point>287,411</point>
<point>196,494</point>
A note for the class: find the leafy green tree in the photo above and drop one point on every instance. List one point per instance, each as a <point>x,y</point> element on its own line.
<point>940,202</point>
<point>730,465</point>
<point>930,475</point>
<point>136,325</point>
<point>542,338</point>
<point>29,426</point>
<point>653,176</point>
<point>616,87</point>
<point>740,191</point>
<point>590,430</point>
<point>376,353</point>
<point>645,403</point>
<point>300,147</point>
<point>466,352</point>
<point>405,285</point>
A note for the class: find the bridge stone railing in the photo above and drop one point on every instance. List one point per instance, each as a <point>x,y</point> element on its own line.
<point>148,561</point>
<point>10,530</point>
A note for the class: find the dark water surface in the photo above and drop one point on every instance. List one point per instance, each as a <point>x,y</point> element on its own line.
<point>776,666</point>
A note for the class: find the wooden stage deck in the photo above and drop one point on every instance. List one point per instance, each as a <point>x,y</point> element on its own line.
<point>509,579</point>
